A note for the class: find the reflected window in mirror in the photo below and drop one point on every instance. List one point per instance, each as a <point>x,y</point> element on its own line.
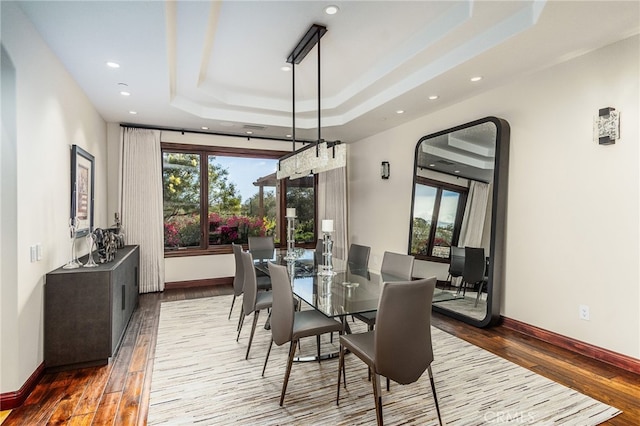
<point>442,204</point>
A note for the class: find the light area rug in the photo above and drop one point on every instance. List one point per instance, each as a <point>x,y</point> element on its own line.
<point>200,376</point>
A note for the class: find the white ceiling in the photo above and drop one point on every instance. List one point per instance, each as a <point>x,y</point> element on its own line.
<point>189,64</point>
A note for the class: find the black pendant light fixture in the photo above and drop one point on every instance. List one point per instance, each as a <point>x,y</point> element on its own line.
<point>300,162</point>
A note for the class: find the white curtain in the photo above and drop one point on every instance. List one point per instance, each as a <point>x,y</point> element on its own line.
<point>332,204</point>
<point>474,215</point>
<point>142,203</point>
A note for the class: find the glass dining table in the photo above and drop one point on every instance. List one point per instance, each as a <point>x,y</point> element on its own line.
<point>346,292</point>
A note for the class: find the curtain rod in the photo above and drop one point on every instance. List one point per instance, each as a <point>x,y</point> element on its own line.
<point>204,132</point>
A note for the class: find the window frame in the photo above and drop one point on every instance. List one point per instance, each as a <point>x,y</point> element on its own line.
<point>439,186</point>
<point>204,151</point>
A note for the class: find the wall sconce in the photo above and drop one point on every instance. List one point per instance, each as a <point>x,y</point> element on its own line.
<point>606,126</point>
<point>385,170</point>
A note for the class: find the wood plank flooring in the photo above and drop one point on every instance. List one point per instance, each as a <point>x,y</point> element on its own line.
<point>118,393</point>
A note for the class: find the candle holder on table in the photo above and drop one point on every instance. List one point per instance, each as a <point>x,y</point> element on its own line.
<point>327,249</point>
<point>291,238</point>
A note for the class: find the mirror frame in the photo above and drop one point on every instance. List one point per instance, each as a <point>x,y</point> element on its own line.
<point>498,219</point>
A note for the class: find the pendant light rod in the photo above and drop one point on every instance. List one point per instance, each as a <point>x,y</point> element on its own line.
<point>293,106</point>
<point>319,97</point>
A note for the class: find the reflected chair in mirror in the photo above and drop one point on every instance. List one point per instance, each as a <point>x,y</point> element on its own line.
<point>253,300</point>
<point>474,267</point>
<point>395,266</point>
<point>289,325</point>
<point>394,350</point>
<point>456,264</point>
<point>358,257</point>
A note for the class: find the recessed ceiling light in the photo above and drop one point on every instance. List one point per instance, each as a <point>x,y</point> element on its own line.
<point>113,65</point>
<point>331,10</point>
<point>433,97</point>
<point>432,165</point>
<point>133,112</point>
<point>400,111</point>
<point>476,78</point>
<point>456,171</point>
<point>288,136</point>
<point>286,68</point>
<point>249,132</point>
<point>204,128</point>
<point>123,93</point>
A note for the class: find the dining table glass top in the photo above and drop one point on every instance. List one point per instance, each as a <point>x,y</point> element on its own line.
<point>349,291</point>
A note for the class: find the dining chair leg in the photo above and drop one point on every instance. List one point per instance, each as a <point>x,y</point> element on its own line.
<point>256,314</point>
<point>240,322</point>
<point>318,346</point>
<point>479,293</point>
<point>341,371</point>
<point>267,357</point>
<point>435,396</point>
<point>387,384</point>
<point>292,352</point>
<point>377,395</point>
<point>233,301</point>
<point>241,318</point>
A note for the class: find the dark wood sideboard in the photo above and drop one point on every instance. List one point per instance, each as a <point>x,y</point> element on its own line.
<point>86,310</point>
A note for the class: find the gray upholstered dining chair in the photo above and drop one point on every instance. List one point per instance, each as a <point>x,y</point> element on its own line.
<point>358,257</point>
<point>253,300</point>
<point>238,279</point>
<point>262,246</point>
<point>396,265</point>
<point>394,350</point>
<point>289,325</point>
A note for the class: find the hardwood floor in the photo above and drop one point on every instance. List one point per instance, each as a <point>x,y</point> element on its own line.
<point>118,393</point>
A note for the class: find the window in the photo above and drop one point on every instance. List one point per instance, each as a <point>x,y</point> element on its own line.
<point>301,195</point>
<point>217,196</point>
<point>440,204</point>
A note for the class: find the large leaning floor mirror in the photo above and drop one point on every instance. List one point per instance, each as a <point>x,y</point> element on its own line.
<point>458,217</point>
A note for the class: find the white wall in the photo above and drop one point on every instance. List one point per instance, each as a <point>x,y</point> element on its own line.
<point>51,114</point>
<point>573,205</point>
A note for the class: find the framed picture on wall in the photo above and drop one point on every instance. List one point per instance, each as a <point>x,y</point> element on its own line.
<point>82,187</point>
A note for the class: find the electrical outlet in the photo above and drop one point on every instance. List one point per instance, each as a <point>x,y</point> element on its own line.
<point>583,312</point>
<point>32,253</point>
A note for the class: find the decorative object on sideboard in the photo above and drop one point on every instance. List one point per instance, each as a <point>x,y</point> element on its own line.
<point>118,230</point>
<point>82,190</point>
<point>73,263</point>
<point>606,126</point>
<point>385,170</point>
<point>107,245</point>
<point>91,239</point>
